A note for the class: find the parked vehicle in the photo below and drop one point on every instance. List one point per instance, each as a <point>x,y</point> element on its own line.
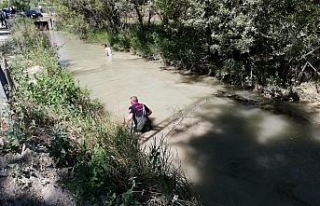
<point>33,14</point>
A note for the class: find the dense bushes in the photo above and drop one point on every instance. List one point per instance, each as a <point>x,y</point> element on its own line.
<point>263,41</point>
<point>247,42</point>
<point>52,114</point>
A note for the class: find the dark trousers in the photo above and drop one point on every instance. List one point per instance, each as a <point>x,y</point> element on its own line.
<point>3,22</point>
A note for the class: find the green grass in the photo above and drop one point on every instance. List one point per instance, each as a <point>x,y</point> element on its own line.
<point>102,37</point>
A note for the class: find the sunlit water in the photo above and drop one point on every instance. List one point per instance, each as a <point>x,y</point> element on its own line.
<point>235,154</point>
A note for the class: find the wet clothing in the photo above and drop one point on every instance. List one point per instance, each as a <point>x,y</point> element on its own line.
<point>140,110</point>
<point>137,110</point>
<point>108,51</point>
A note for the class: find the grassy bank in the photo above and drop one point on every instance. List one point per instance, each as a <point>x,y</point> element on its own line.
<point>175,48</point>
<point>103,162</point>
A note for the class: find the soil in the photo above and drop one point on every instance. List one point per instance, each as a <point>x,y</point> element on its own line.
<point>309,94</point>
<point>31,178</point>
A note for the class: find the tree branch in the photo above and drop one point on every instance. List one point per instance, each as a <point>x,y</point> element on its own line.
<point>310,52</point>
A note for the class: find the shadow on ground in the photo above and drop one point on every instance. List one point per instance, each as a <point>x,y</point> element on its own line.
<point>29,179</point>
<point>23,200</point>
<point>245,156</point>
<point>65,63</point>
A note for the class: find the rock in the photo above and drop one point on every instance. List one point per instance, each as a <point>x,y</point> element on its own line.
<point>5,126</point>
<point>3,173</point>
<point>2,141</point>
<point>34,70</point>
<point>63,172</point>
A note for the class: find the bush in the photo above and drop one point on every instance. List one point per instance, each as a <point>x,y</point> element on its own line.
<point>143,42</point>
<point>258,41</point>
<point>120,41</point>
<point>102,37</point>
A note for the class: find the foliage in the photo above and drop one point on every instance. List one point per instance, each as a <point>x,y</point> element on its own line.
<point>171,10</point>
<point>142,42</point>
<point>4,5</point>
<point>21,5</point>
<point>52,114</point>
<point>99,37</point>
<point>251,42</point>
<point>121,41</point>
<point>260,40</point>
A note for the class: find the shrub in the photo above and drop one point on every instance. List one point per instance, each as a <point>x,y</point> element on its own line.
<point>120,41</point>
<point>97,36</point>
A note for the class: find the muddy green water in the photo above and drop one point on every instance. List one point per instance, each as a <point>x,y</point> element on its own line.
<point>236,155</point>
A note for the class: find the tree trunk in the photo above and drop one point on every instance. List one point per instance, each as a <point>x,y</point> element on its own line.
<point>149,18</point>
<point>140,17</point>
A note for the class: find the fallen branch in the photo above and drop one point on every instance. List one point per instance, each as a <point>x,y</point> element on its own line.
<point>307,54</point>
<point>313,68</point>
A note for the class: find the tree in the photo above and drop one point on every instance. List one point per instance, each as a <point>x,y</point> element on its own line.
<point>257,40</point>
<point>22,5</point>
<point>244,41</point>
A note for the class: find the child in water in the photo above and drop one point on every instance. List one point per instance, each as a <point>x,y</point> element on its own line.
<point>108,51</point>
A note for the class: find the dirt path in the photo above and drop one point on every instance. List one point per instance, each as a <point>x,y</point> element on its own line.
<point>236,155</point>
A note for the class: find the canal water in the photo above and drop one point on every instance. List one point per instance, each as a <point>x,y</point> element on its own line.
<point>236,155</point>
